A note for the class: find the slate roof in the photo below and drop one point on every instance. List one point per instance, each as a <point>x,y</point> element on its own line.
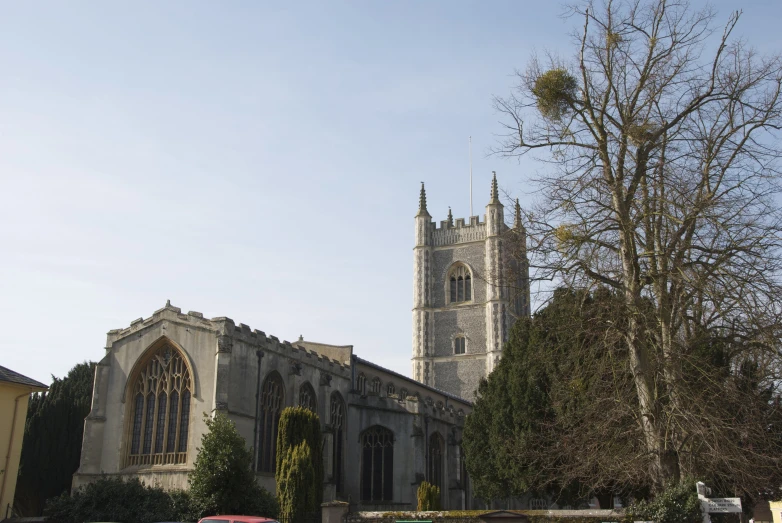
<point>14,377</point>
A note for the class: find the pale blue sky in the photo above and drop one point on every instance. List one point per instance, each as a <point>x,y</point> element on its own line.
<point>255,160</point>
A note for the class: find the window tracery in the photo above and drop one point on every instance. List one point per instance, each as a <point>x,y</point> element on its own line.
<point>374,387</point>
<point>361,384</point>
<point>307,398</point>
<point>272,402</point>
<point>459,284</point>
<point>435,465</point>
<point>160,409</point>
<point>337,419</point>
<point>377,464</point>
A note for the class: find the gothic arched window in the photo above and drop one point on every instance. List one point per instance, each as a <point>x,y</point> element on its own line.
<point>337,421</point>
<point>435,465</point>
<point>361,384</point>
<point>390,390</point>
<point>459,345</point>
<point>307,398</point>
<point>159,405</point>
<point>459,284</point>
<point>374,387</point>
<point>272,402</point>
<point>377,464</point>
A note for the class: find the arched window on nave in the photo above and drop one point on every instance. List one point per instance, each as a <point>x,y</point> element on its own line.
<point>435,465</point>
<point>272,402</point>
<point>377,464</point>
<point>307,398</point>
<point>159,403</point>
<point>337,421</point>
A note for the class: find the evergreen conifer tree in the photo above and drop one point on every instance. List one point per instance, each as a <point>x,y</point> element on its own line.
<point>52,439</point>
<point>298,425</point>
<point>295,484</point>
<point>222,481</point>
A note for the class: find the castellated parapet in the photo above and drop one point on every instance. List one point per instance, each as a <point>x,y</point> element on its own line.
<point>226,327</point>
<point>450,234</point>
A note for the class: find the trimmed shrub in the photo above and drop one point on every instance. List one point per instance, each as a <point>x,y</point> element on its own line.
<point>299,425</point>
<point>428,497</point>
<point>295,482</point>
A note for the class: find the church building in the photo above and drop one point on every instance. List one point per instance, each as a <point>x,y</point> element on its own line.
<point>384,433</point>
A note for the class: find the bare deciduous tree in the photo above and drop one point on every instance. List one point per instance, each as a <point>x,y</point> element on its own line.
<point>662,143</point>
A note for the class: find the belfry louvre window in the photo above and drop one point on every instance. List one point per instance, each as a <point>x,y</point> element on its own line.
<point>459,345</point>
<point>460,284</point>
<point>338,444</point>
<point>272,401</point>
<point>160,409</point>
<point>377,464</point>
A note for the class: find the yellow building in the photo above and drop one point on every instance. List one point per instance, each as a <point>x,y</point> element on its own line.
<point>15,391</point>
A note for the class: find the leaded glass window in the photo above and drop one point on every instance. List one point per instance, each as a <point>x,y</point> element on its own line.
<point>374,388</point>
<point>459,345</point>
<point>377,464</point>
<point>460,284</point>
<point>435,465</point>
<point>160,410</point>
<point>337,419</point>
<point>272,402</point>
<point>361,384</point>
<point>307,398</point>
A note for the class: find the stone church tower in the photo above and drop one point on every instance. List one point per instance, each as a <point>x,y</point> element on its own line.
<point>470,283</point>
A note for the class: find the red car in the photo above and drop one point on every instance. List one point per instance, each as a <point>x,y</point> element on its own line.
<point>237,519</point>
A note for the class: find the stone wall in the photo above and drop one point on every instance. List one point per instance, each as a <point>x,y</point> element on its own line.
<point>485,516</point>
<point>223,362</point>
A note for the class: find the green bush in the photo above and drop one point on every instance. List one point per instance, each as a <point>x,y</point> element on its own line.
<point>295,480</point>
<point>678,503</point>
<point>112,499</point>
<point>299,467</point>
<point>222,480</point>
<point>428,497</point>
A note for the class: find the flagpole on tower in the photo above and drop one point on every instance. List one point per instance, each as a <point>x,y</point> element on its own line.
<point>470,175</point>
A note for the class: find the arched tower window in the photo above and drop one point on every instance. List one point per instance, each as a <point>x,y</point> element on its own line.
<point>377,464</point>
<point>307,398</point>
<point>459,345</point>
<point>337,420</point>
<point>272,402</point>
<point>435,465</point>
<point>459,284</point>
<point>159,409</point>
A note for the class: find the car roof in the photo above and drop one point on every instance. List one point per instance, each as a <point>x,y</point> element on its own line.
<point>239,518</point>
